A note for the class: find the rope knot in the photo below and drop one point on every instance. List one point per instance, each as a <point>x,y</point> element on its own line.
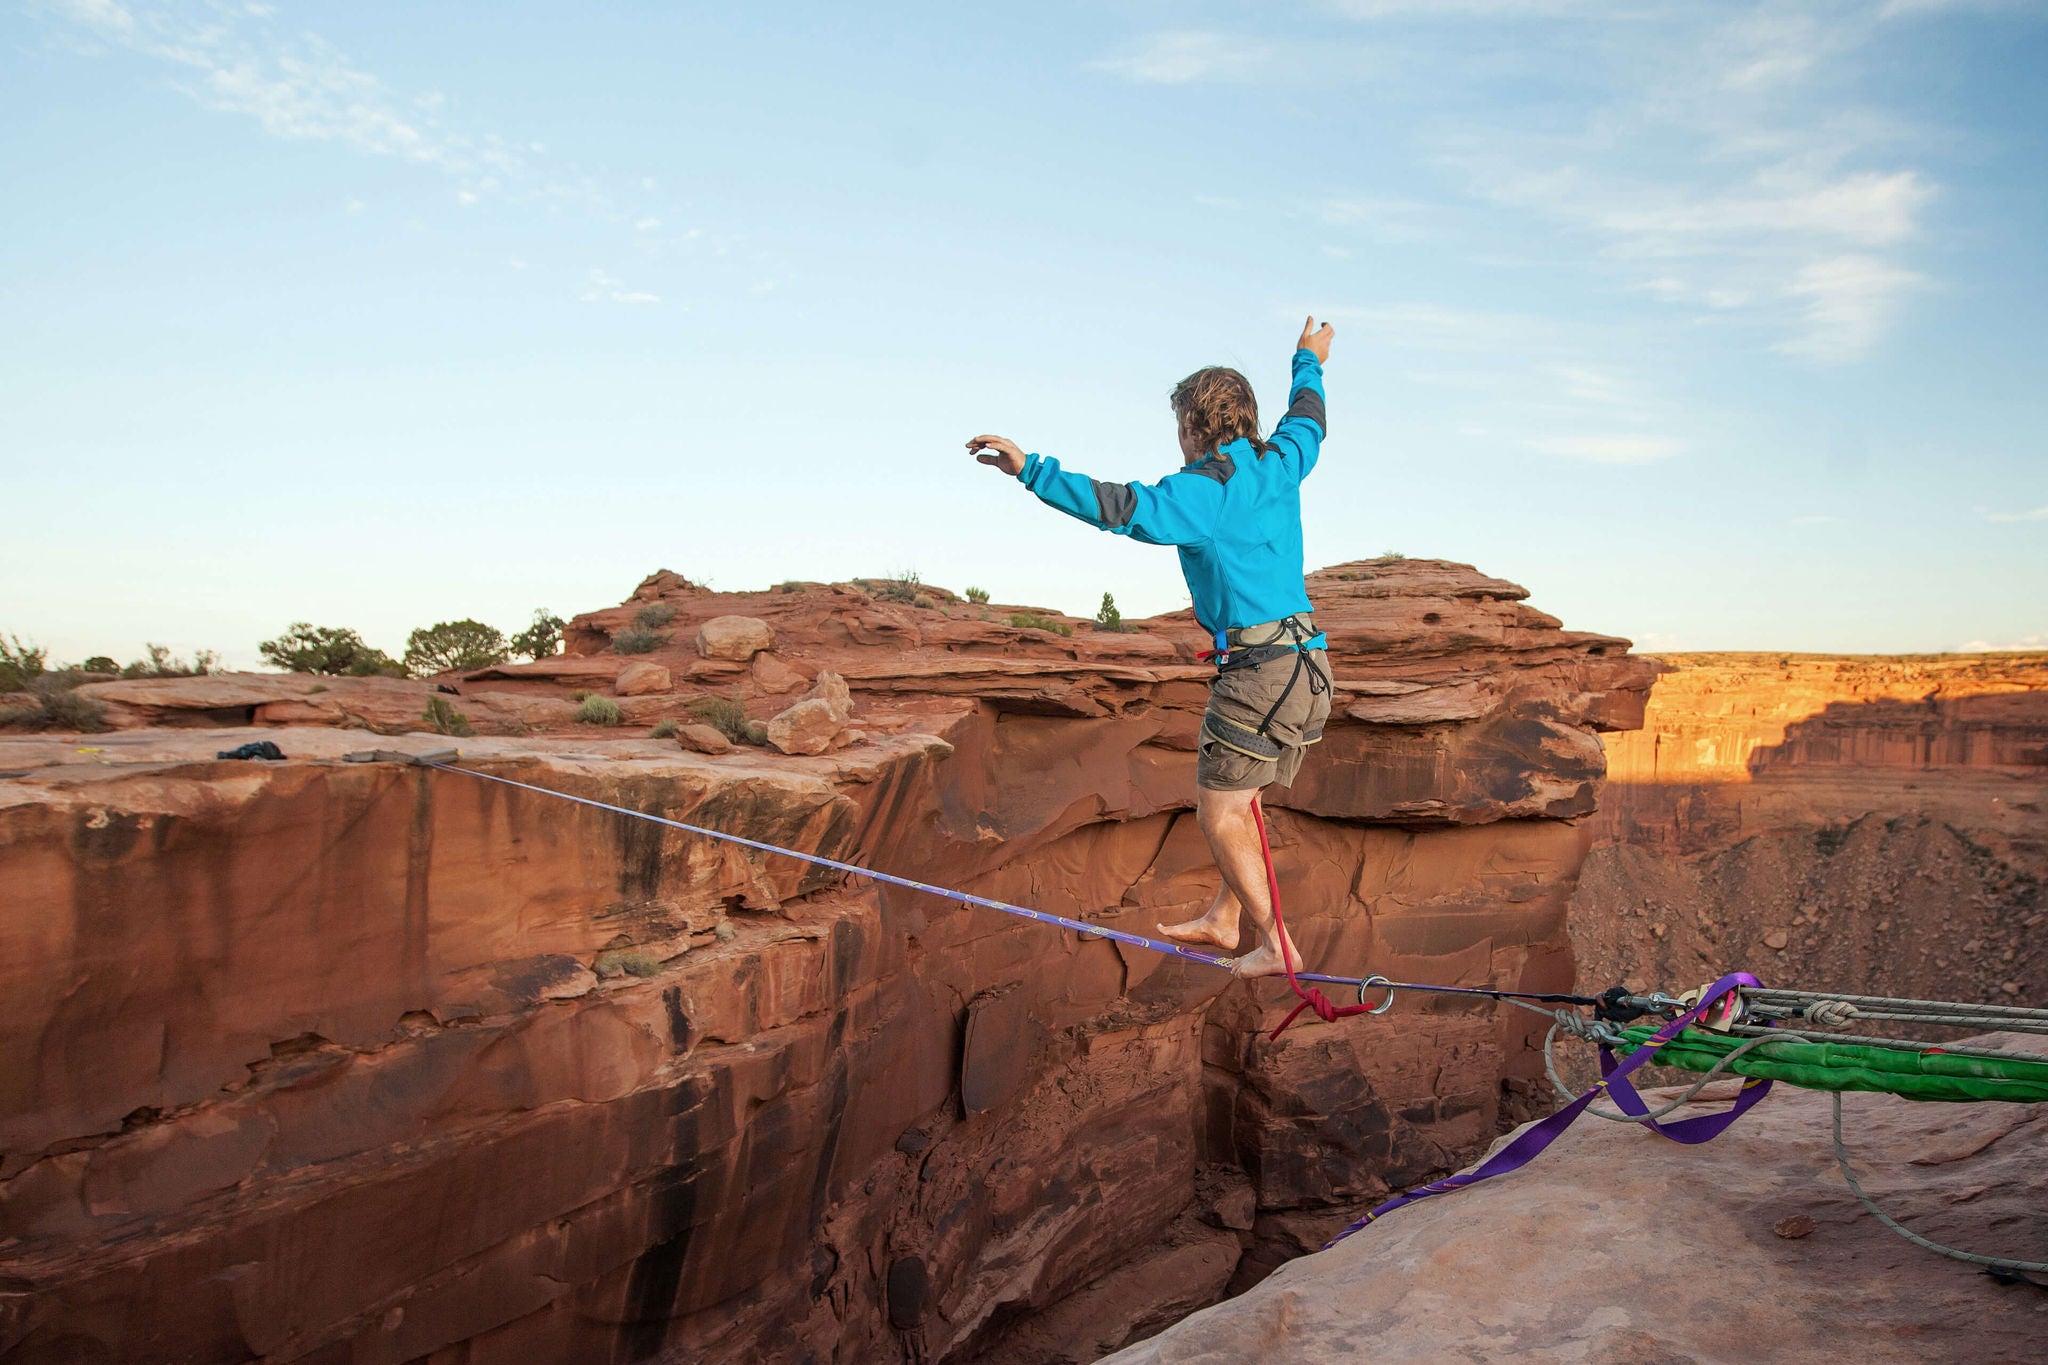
<point>1830,1013</point>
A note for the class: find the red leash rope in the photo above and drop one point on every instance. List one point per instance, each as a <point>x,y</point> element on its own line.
<point>1310,997</point>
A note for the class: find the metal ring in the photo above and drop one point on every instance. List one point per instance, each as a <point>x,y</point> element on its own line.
<point>1376,980</point>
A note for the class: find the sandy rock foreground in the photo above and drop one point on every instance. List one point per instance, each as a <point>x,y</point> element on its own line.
<point>1620,1246</point>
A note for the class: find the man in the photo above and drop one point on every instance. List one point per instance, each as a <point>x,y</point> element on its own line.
<point>1233,510</point>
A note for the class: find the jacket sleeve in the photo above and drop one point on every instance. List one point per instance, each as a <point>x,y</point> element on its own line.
<point>1181,509</point>
<point>1300,433</point>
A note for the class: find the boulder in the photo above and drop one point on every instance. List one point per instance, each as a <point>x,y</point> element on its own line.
<point>703,739</point>
<point>831,689</point>
<point>773,676</point>
<point>641,680</point>
<point>809,727</point>
<point>734,637</point>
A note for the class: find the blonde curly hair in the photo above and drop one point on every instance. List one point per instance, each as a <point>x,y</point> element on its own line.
<point>1216,406</point>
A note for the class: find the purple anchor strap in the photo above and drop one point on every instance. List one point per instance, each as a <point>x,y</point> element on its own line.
<point>1534,1139</point>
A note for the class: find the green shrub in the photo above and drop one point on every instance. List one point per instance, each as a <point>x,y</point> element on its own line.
<point>754,733</point>
<point>454,645</point>
<point>161,663</point>
<point>722,714</point>
<point>19,663</point>
<point>654,616</point>
<point>626,962</point>
<point>1393,554</point>
<point>99,663</point>
<point>56,706</point>
<point>598,711</point>
<point>443,719</point>
<point>1109,618</point>
<point>978,596</point>
<point>1026,620</point>
<point>638,640</point>
<point>664,729</point>
<point>541,639</point>
<point>335,651</point>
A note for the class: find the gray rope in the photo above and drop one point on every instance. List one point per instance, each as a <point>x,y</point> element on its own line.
<point>1895,1044</point>
<point>1579,1028</point>
<point>1836,1013</point>
<point>1842,1161</point>
<point>1764,995</point>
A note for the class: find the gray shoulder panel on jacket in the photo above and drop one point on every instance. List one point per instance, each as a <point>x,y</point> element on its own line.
<point>1308,403</point>
<point>1114,502</point>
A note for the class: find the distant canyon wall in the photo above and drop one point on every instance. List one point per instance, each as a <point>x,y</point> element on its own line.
<point>1866,824</point>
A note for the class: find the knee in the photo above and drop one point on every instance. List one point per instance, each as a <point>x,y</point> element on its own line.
<point>1223,813</point>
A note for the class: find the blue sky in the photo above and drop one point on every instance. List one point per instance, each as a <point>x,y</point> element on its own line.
<point>1718,326</point>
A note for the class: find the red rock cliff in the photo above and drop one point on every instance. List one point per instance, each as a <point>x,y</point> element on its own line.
<point>347,1062</point>
<point>1857,823</point>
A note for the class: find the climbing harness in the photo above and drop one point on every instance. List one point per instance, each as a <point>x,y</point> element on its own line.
<point>1234,650</point>
<point>1733,1025</point>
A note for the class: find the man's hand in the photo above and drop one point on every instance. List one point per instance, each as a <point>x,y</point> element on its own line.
<point>1003,454</point>
<point>1316,340</point>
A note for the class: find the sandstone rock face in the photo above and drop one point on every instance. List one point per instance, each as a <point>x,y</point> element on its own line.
<point>314,1059</point>
<point>1573,1257</point>
<point>738,638</point>
<point>642,679</point>
<point>1861,824</point>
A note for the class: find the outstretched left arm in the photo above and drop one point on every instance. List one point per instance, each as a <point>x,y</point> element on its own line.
<point>1301,431</point>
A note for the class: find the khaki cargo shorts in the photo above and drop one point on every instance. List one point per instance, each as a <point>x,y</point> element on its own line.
<point>1239,699</point>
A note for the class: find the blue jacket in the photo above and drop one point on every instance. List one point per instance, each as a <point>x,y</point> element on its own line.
<point>1235,516</point>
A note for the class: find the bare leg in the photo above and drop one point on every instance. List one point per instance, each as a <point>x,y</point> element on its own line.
<point>1226,820</point>
<point>1217,926</point>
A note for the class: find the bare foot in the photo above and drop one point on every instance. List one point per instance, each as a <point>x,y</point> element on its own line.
<point>1217,929</point>
<point>1263,961</point>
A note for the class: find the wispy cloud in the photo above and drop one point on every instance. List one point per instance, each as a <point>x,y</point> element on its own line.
<point>1609,449</point>
<point>1177,57</point>
<point>2037,514</point>
<point>2024,643</point>
<point>601,287</point>
<point>297,86</point>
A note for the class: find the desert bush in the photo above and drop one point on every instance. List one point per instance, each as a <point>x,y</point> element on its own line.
<point>443,719</point>
<point>978,596</point>
<point>161,663</point>
<point>597,710</point>
<point>638,640</point>
<point>724,715</point>
<point>1393,554</point>
<point>454,645</point>
<point>19,662</point>
<point>654,616</point>
<point>55,705</point>
<point>541,639</point>
<point>335,651</point>
<point>1026,620</point>
<point>1108,617</point>
<point>626,962</point>
<point>754,733</point>
<point>664,729</point>
<point>99,663</point>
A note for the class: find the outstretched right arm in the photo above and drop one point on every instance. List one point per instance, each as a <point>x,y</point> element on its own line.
<point>1180,509</point>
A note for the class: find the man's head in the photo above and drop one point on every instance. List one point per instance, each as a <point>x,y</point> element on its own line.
<point>1214,407</point>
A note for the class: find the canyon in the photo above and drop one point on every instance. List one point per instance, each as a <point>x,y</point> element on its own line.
<point>362,1061</point>
<point>1873,825</point>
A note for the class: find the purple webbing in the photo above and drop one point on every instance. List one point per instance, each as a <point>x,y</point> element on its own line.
<point>1533,1139</point>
